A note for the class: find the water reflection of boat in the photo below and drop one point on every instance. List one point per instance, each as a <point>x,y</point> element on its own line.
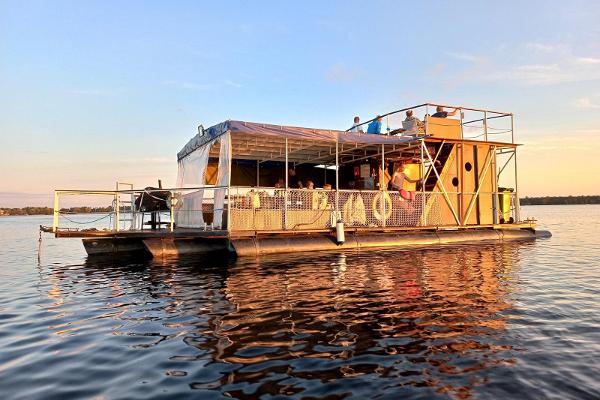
<point>401,322</point>
<point>238,189</point>
<point>425,318</point>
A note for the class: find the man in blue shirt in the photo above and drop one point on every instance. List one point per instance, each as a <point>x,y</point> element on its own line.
<point>375,126</point>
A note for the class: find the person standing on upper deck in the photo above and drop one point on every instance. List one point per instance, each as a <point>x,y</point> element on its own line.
<point>375,125</point>
<point>440,113</point>
<point>355,127</point>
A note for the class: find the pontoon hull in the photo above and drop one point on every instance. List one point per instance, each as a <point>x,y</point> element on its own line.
<point>244,246</point>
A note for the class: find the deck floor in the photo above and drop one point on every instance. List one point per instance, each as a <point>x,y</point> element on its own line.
<point>141,234</point>
<point>201,233</point>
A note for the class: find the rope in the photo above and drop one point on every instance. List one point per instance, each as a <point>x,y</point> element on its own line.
<point>313,221</point>
<point>83,223</point>
<point>39,257</point>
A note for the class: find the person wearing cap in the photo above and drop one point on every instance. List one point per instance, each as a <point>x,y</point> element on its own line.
<point>375,125</point>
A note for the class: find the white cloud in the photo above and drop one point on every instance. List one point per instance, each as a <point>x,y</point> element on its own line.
<point>540,46</point>
<point>537,74</point>
<point>188,85</point>
<point>588,60</point>
<point>564,71</point>
<point>233,84</point>
<point>541,65</point>
<point>91,92</point>
<point>467,57</point>
<point>585,102</point>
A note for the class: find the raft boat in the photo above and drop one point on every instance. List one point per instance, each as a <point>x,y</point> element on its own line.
<point>238,189</point>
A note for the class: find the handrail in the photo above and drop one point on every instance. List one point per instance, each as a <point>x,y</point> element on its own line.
<point>129,191</point>
<point>500,113</point>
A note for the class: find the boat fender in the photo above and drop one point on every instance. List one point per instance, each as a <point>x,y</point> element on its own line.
<point>339,232</point>
<point>377,207</point>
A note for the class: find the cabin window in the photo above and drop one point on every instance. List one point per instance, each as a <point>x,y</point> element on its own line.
<point>455,182</point>
<point>468,166</point>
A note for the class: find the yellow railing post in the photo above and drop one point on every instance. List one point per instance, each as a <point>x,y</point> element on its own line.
<point>55,215</point>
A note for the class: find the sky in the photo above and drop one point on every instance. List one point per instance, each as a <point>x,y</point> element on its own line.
<point>92,92</point>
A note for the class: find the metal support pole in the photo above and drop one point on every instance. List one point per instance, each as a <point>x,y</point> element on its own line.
<point>423,216</point>
<point>462,134</point>
<point>337,182</point>
<point>55,215</point>
<point>228,194</point>
<point>461,176</point>
<point>485,127</point>
<point>285,196</point>
<point>171,224</point>
<point>427,119</point>
<point>257,173</point>
<point>517,201</point>
<point>383,187</point>
<point>117,209</point>
<point>495,188</point>
<point>512,129</point>
<point>387,122</point>
<point>134,214</point>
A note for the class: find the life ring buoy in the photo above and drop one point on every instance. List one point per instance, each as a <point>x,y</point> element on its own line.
<point>388,205</point>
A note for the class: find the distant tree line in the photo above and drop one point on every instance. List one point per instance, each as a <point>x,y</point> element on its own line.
<point>49,211</point>
<point>550,200</point>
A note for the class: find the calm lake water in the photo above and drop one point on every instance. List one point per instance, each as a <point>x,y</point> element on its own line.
<point>513,320</point>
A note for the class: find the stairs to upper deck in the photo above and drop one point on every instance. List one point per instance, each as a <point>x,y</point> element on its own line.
<point>442,153</point>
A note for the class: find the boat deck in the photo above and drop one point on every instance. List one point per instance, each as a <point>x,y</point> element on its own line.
<point>137,234</point>
<point>201,233</point>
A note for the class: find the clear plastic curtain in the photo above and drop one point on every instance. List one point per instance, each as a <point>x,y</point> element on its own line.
<point>191,173</point>
<point>222,179</point>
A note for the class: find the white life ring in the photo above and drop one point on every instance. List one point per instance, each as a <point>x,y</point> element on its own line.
<point>377,208</point>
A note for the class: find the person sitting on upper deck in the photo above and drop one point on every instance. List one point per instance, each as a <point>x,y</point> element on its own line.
<point>356,127</point>
<point>375,125</point>
<point>440,113</point>
<point>412,123</point>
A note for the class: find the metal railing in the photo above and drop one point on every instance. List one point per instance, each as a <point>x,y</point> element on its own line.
<point>272,209</point>
<point>473,123</point>
<point>146,209</point>
<point>268,209</point>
